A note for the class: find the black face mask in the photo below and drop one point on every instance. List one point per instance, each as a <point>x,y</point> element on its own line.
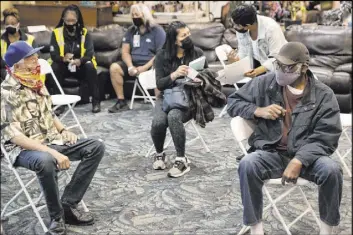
<point>71,28</point>
<point>137,21</point>
<point>187,43</point>
<point>11,30</point>
<point>241,30</point>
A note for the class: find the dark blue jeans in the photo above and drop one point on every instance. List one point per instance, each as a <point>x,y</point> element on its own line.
<point>88,151</point>
<point>258,166</point>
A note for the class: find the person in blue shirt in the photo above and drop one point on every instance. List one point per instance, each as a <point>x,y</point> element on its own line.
<point>140,45</point>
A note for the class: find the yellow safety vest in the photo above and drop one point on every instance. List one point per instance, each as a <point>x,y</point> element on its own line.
<point>59,36</point>
<point>29,40</point>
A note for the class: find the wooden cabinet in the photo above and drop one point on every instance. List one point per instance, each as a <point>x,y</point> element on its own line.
<point>49,14</point>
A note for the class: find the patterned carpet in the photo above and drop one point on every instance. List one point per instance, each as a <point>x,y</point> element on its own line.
<point>128,197</point>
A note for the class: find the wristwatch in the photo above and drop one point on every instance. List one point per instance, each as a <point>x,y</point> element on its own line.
<point>62,130</point>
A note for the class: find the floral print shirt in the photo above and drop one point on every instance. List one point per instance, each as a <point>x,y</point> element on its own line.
<point>24,111</point>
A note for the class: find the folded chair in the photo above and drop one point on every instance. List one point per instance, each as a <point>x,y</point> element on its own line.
<point>346,121</point>
<point>148,81</point>
<point>242,129</point>
<point>221,52</point>
<point>33,203</point>
<point>62,99</point>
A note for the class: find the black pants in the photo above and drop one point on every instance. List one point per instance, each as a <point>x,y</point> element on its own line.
<point>175,120</point>
<point>88,151</point>
<point>85,72</point>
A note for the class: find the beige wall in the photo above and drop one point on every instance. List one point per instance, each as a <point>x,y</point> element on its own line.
<point>5,5</point>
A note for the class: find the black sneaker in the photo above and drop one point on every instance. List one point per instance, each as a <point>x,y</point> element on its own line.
<point>159,162</point>
<point>179,168</point>
<point>120,105</point>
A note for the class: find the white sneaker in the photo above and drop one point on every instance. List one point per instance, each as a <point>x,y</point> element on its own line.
<point>179,168</point>
<point>159,161</point>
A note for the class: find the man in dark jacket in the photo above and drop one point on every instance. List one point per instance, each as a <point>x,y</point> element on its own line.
<point>297,130</point>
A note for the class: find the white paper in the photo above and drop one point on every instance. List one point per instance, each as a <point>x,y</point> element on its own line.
<point>192,73</point>
<point>234,72</point>
<point>198,64</point>
<point>36,28</point>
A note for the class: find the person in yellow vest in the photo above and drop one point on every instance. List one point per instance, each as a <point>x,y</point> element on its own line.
<point>72,53</point>
<point>12,34</point>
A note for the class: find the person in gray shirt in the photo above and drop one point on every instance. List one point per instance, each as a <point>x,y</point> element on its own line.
<point>140,45</point>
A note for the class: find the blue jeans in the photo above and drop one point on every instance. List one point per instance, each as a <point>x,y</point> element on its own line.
<point>88,151</point>
<point>258,166</point>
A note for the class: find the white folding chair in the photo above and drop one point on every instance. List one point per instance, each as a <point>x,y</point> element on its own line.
<point>62,99</point>
<point>144,77</point>
<point>221,52</point>
<point>242,129</point>
<point>346,121</point>
<point>148,81</point>
<point>32,202</point>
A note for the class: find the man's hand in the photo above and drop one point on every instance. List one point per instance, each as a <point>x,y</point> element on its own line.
<point>62,160</point>
<point>196,79</point>
<point>69,136</point>
<point>292,171</point>
<point>133,71</point>
<point>272,112</point>
<point>141,69</point>
<point>77,62</point>
<point>251,74</point>
<point>232,56</point>
<point>255,72</point>
<point>68,57</point>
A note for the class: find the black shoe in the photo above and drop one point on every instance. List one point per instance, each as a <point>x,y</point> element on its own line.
<point>96,108</point>
<point>59,111</point>
<point>239,157</point>
<point>75,217</point>
<point>120,105</point>
<point>57,227</point>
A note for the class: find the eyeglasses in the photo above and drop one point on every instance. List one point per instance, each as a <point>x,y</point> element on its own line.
<point>287,68</point>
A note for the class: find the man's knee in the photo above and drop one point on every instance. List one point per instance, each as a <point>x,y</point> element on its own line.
<point>99,147</point>
<point>116,69</point>
<point>247,165</point>
<point>158,124</point>
<point>331,170</point>
<point>46,164</point>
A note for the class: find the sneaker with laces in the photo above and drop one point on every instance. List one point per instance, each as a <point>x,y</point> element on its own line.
<point>159,161</point>
<point>179,168</point>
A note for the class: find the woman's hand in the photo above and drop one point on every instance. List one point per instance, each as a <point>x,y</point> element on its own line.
<point>181,71</point>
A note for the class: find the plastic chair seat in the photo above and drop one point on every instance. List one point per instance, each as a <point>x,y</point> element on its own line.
<point>346,119</point>
<point>300,181</point>
<point>65,99</point>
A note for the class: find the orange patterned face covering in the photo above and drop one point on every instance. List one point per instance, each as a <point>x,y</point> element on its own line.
<point>30,79</point>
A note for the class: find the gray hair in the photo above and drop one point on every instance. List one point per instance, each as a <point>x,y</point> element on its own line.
<point>146,12</point>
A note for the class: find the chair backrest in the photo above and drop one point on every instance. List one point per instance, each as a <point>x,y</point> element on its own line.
<point>148,79</point>
<point>221,52</point>
<point>242,130</point>
<point>45,68</point>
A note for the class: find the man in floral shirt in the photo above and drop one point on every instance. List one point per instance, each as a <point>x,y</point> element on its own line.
<point>38,141</point>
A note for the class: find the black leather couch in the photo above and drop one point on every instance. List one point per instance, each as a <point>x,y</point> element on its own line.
<point>330,49</point>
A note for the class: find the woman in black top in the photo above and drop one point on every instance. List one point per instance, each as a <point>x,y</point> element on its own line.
<point>171,64</point>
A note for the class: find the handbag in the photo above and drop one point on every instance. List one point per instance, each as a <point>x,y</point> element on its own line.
<point>175,98</point>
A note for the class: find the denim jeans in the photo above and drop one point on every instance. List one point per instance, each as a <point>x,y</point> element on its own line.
<point>258,166</point>
<point>88,151</point>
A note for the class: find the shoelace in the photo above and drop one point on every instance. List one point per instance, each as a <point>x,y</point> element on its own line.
<point>159,158</point>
